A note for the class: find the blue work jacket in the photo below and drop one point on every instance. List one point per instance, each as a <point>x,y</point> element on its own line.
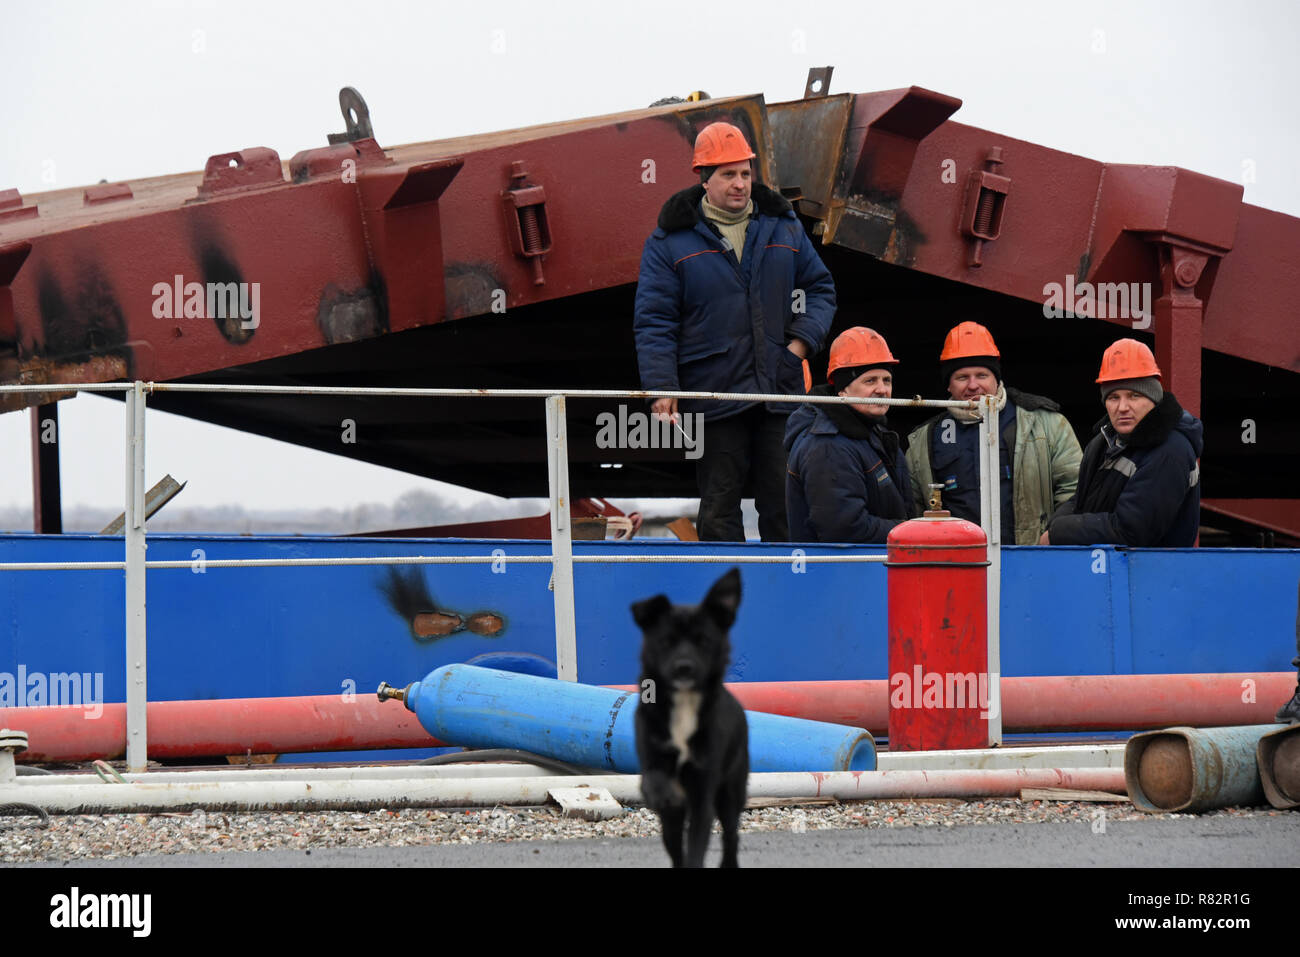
<point>705,322</point>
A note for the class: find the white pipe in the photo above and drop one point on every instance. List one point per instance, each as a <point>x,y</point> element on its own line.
<point>489,792</point>
<point>557,456</point>
<point>260,773</point>
<point>152,387</point>
<point>974,759</point>
<point>1072,756</point>
<point>993,574</point>
<point>446,560</point>
<point>69,387</point>
<point>137,696</point>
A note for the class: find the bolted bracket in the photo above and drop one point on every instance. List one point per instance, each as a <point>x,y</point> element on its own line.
<point>527,223</point>
<point>818,83</point>
<point>256,167</point>
<point>356,115</point>
<point>11,742</point>
<point>12,208</point>
<point>985,202</point>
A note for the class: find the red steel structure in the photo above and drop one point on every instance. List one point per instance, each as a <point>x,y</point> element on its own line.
<point>346,265</point>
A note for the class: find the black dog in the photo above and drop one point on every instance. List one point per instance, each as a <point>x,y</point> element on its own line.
<point>691,735</point>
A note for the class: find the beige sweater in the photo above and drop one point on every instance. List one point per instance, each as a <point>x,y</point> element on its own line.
<point>732,225</point>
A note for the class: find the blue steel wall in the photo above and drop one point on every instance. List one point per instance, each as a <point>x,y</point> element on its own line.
<point>322,630</point>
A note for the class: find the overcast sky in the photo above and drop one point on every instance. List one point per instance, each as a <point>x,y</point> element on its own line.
<point>132,89</point>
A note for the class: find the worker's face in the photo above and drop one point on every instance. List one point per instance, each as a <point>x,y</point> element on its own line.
<point>971,382</point>
<point>1126,409</point>
<point>729,186</point>
<point>874,383</point>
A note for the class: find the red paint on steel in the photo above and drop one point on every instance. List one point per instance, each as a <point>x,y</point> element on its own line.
<point>350,244</point>
<point>1070,216</point>
<point>532,526</point>
<point>180,729</point>
<point>938,636</point>
<point>1279,514</point>
<point>1039,704</point>
<point>1179,317</point>
<point>184,729</point>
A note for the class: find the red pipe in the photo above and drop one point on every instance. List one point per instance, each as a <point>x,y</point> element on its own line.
<point>1037,704</point>
<point>186,729</point>
<point>180,729</point>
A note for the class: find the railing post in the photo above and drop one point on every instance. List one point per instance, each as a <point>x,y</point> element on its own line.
<point>137,694</point>
<point>557,460</point>
<point>991,520</point>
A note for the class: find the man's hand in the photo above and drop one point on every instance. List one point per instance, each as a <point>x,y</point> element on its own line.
<point>666,407</point>
<point>1043,539</point>
<point>799,348</point>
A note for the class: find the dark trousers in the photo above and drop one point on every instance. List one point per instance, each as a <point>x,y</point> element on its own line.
<point>741,453</point>
<point>1296,660</point>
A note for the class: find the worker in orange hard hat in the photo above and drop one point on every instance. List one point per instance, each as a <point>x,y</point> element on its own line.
<point>1038,452</point>
<point>732,297</point>
<point>846,478</point>
<point>1140,479</point>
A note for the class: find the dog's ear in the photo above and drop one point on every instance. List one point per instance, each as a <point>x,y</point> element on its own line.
<point>724,598</point>
<point>650,610</point>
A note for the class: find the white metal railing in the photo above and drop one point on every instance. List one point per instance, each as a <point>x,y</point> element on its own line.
<point>561,557</point>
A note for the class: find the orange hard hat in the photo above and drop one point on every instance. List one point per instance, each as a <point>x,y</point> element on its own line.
<point>969,339</point>
<point>718,144</point>
<point>857,347</point>
<point>1127,359</point>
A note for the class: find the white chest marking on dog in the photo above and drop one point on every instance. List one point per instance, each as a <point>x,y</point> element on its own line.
<point>683,721</point>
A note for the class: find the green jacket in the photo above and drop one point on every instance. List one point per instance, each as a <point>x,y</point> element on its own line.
<point>1044,465</point>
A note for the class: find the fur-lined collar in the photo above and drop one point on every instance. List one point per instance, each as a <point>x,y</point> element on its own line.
<point>852,424</point>
<point>1154,428</point>
<point>682,211</point>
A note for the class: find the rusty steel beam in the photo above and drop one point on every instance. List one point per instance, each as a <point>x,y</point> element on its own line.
<point>341,243</point>
<point>898,191</point>
<point>362,252</point>
<point>47,496</point>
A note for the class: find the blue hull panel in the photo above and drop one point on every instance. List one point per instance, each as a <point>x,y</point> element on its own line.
<point>256,632</point>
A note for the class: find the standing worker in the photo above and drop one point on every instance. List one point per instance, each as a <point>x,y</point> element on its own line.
<point>846,478</point>
<point>1039,456</point>
<point>1140,480</point>
<point>732,297</point>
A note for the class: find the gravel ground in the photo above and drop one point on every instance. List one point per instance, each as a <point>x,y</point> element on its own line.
<point>80,837</point>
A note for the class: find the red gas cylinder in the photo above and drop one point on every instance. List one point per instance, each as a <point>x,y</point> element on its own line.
<point>938,626</point>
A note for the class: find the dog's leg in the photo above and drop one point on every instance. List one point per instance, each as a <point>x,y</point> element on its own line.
<point>701,821</point>
<point>672,819</point>
<point>729,807</point>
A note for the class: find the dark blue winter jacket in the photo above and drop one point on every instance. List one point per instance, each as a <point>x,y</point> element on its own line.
<point>846,478</point>
<point>706,323</point>
<point>1142,490</point>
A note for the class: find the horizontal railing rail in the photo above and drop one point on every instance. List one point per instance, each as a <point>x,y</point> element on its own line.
<point>561,556</point>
